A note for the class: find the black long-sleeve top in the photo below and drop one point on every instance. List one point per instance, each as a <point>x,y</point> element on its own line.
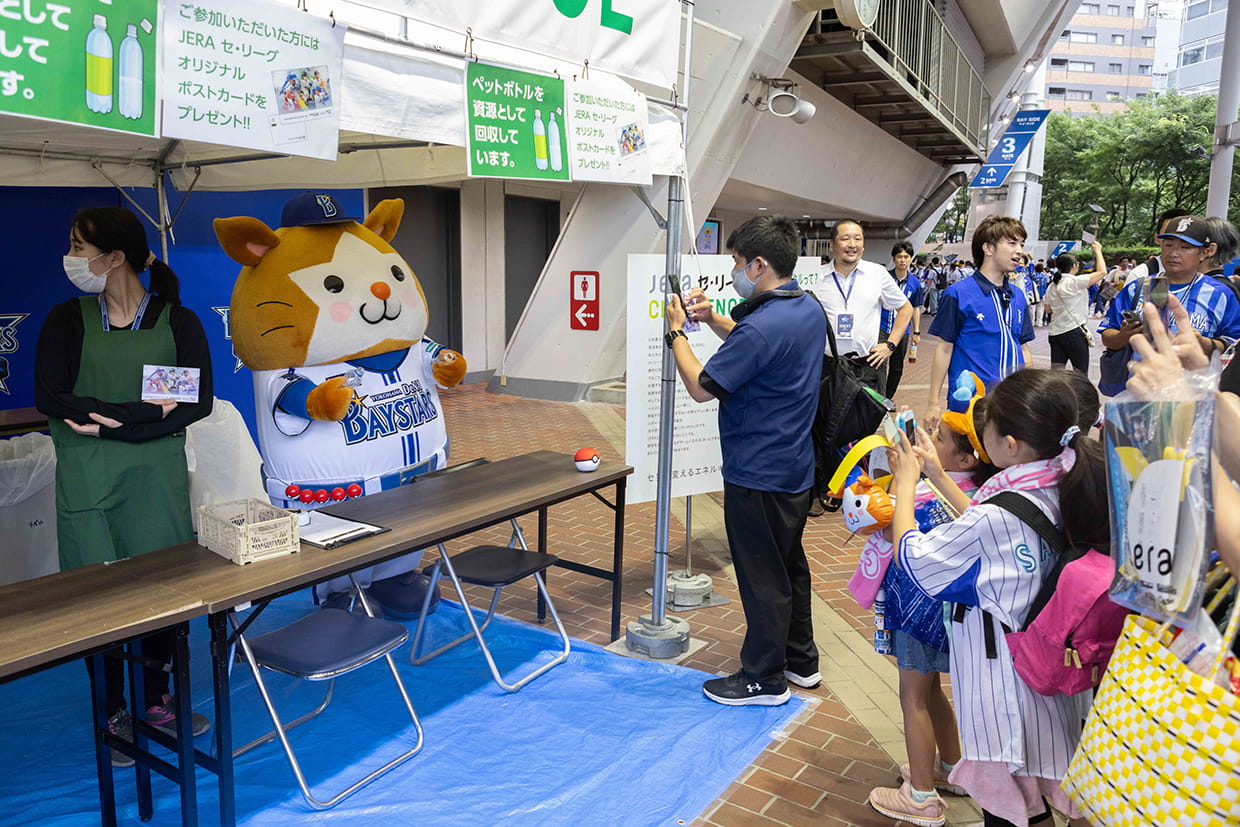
<point>58,358</point>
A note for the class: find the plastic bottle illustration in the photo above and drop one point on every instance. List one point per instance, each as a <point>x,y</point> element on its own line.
<point>130,103</point>
<point>99,67</point>
<point>540,140</point>
<point>553,144</point>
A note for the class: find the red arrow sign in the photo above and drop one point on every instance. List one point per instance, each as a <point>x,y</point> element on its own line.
<point>583,309</point>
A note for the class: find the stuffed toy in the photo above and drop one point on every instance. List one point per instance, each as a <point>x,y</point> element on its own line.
<point>867,507</point>
<point>331,319</point>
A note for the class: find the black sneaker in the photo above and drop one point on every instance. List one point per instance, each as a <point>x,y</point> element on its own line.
<point>738,690</point>
<point>121,725</point>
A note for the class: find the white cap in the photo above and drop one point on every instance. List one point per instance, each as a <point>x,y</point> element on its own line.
<point>537,113</point>
<point>101,22</point>
<point>131,30</point>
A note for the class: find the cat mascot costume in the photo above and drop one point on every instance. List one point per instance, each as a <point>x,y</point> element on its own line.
<point>331,319</point>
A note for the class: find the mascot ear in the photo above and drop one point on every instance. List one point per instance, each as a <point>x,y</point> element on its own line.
<point>384,219</point>
<point>246,240</point>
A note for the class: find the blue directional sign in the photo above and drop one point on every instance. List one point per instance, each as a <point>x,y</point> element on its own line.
<point>1014,141</point>
<point>1062,247</point>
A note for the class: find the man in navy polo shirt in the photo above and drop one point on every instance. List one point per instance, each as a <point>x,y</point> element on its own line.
<point>765,376</point>
<point>983,322</point>
<point>911,286</point>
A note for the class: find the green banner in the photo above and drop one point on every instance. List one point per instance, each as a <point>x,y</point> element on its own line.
<point>90,63</point>
<point>515,124</point>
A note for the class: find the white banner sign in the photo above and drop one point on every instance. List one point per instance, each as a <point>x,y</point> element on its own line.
<point>696,458</point>
<point>636,39</point>
<point>608,129</point>
<point>252,74</point>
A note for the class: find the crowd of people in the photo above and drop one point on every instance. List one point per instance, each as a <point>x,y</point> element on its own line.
<point>991,425</point>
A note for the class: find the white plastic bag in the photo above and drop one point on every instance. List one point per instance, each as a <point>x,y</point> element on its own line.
<point>224,464</point>
<point>27,508</point>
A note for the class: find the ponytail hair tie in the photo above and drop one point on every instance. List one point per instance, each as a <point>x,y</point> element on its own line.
<point>150,259</point>
<point>1066,439</point>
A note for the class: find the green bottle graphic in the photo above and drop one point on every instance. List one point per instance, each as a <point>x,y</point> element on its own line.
<point>99,67</point>
<point>540,141</point>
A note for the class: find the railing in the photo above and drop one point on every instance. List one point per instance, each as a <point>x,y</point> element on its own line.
<point>914,42</point>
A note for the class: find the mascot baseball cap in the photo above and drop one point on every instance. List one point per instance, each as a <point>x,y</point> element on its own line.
<point>1191,229</point>
<point>313,208</point>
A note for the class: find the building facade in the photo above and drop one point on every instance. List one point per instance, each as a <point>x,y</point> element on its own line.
<point>1104,57</point>
<point>1200,58</point>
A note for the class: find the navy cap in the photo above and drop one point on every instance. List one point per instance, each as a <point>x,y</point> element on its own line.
<point>1191,229</point>
<point>312,208</point>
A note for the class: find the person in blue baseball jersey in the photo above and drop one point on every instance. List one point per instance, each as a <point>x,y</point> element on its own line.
<point>983,324</point>
<point>902,258</point>
<point>1212,308</point>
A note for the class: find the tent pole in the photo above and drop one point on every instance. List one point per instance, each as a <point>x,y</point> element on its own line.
<point>657,635</point>
<point>165,225</point>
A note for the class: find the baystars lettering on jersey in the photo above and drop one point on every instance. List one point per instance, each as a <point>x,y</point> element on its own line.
<point>383,414</point>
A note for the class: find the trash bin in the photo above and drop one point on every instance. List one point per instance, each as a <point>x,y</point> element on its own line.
<point>27,508</point>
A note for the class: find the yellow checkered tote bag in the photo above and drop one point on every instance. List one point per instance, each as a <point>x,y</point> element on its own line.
<point>1161,746</point>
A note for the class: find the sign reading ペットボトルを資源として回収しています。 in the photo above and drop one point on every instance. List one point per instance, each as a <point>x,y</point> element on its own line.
<point>514,124</point>
<point>82,63</point>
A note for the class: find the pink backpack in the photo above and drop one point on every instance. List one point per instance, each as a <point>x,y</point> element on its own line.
<point>1072,625</point>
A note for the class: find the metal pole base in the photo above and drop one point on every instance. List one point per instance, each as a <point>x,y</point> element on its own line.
<point>667,640</point>
<point>689,591</point>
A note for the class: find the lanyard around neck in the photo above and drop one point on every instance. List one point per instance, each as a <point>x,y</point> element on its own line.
<point>137,317</point>
<point>852,282</point>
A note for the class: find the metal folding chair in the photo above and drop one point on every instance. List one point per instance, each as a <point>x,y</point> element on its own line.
<point>493,567</point>
<point>320,647</point>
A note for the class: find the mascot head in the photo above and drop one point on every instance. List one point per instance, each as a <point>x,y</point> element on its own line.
<point>322,288</point>
<point>867,507</point>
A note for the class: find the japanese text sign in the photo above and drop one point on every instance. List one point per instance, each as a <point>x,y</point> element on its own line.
<point>85,63</point>
<point>607,127</point>
<point>252,74</point>
<point>514,124</point>
<point>1014,141</point>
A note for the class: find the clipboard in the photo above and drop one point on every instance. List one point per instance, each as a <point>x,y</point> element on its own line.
<point>327,532</point>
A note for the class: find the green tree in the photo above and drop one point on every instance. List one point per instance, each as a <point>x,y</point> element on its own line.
<point>1135,163</point>
<point>951,223</point>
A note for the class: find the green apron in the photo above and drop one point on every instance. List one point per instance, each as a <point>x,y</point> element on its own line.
<point>118,499</point>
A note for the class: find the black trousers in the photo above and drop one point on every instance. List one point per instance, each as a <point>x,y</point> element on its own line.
<point>992,820</point>
<point>895,365</point>
<point>1070,347</point>
<point>159,647</point>
<point>764,536</point>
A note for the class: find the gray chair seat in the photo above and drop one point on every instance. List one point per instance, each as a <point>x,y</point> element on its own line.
<point>342,641</point>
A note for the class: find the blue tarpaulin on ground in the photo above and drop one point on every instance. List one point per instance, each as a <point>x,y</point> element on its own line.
<point>600,739</point>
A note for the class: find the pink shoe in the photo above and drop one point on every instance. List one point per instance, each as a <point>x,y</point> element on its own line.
<point>899,804</point>
<point>940,779</point>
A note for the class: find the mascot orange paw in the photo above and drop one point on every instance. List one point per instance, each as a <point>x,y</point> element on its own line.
<point>329,401</point>
<point>449,368</point>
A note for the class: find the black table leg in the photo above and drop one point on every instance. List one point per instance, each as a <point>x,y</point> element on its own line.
<point>220,656</point>
<point>617,559</point>
<point>137,686</point>
<point>185,728</point>
<point>103,753</point>
<point>542,549</point>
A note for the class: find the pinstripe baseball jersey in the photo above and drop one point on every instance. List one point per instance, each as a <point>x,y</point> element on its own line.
<point>989,559</point>
<point>394,421</point>
<point>1211,306</point>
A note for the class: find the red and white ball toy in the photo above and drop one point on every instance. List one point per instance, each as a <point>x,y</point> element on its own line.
<point>587,459</point>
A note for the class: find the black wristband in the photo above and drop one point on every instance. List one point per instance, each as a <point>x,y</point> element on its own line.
<point>672,335</point>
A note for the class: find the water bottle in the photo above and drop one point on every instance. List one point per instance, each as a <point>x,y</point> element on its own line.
<point>912,352</point>
<point>553,144</point>
<point>130,103</point>
<point>882,637</point>
<point>540,140</point>
<point>99,67</point>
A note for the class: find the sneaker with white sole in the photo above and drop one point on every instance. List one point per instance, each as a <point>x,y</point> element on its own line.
<point>940,778</point>
<point>121,725</point>
<point>809,681</point>
<point>900,805</point>
<point>163,717</point>
<point>738,690</point>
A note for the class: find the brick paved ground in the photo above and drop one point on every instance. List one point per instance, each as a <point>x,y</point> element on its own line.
<point>849,739</point>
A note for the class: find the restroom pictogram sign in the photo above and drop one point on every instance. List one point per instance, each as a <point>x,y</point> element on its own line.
<point>583,309</point>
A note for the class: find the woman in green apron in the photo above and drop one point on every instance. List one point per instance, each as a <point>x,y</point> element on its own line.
<point>122,486</point>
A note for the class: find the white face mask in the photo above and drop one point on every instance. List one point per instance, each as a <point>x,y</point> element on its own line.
<point>78,271</point>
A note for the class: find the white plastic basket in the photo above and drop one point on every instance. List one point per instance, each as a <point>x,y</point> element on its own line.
<point>247,530</point>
